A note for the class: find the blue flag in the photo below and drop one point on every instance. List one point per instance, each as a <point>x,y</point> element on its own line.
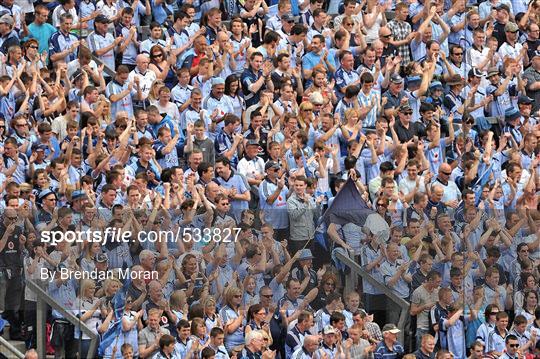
<point>348,207</point>
<point>119,303</point>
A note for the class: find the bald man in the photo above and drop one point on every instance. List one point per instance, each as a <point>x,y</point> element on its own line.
<point>389,50</point>
<point>435,205</point>
<point>451,193</point>
<point>31,354</point>
<point>141,78</point>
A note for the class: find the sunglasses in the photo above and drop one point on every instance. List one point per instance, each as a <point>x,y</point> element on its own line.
<point>458,53</point>
<point>513,345</point>
<point>238,296</point>
<point>446,173</point>
<point>407,113</point>
<point>268,295</point>
<point>157,55</point>
<point>387,36</point>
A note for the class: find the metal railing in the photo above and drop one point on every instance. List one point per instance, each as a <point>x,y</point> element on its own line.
<point>350,285</point>
<point>106,68</point>
<point>43,298</point>
<point>4,343</point>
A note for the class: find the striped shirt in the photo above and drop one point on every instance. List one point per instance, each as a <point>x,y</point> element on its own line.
<point>382,351</point>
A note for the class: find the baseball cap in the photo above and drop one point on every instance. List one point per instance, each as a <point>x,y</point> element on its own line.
<point>536,53</point>
<point>217,81</point>
<point>436,85</point>
<point>395,78</point>
<point>329,330</point>
<point>78,194</point>
<point>411,79</point>
<point>404,108</point>
<point>7,19</point>
<point>391,328</point>
<point>474,72</point>
<point>288,17</point>
<point>525,100</point>
<point>101,258</point>
<point>102,19</point>
<point>76,74</point>
<point>39,147</point>
<point>252,143</point>
<point>511,27</point>
<point>271,164</point>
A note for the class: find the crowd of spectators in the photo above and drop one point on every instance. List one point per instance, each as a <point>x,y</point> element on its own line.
<point>235,124</point>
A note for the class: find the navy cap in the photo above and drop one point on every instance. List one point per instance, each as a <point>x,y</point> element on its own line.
<point>525,100</point>
<point>102,19</point>
<point>271,164</point>
<point>39,147</point>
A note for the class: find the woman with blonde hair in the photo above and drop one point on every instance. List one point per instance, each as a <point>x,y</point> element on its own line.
<point>352,126</point>
<point>305,115</point>
<point>250,295</point>
<point>109,288</point>
<point>153,95</point>
<point>89,253</point>
<point>131,325</point>
<point>211,318</point>
<point>179,305</point>
<point>233,318</point>
<point>90,313</point>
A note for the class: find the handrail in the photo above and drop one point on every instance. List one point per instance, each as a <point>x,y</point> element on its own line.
<point>11,348</point>
<point>106,68</point>
<point>357,270</point>
<point>44,298</point>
